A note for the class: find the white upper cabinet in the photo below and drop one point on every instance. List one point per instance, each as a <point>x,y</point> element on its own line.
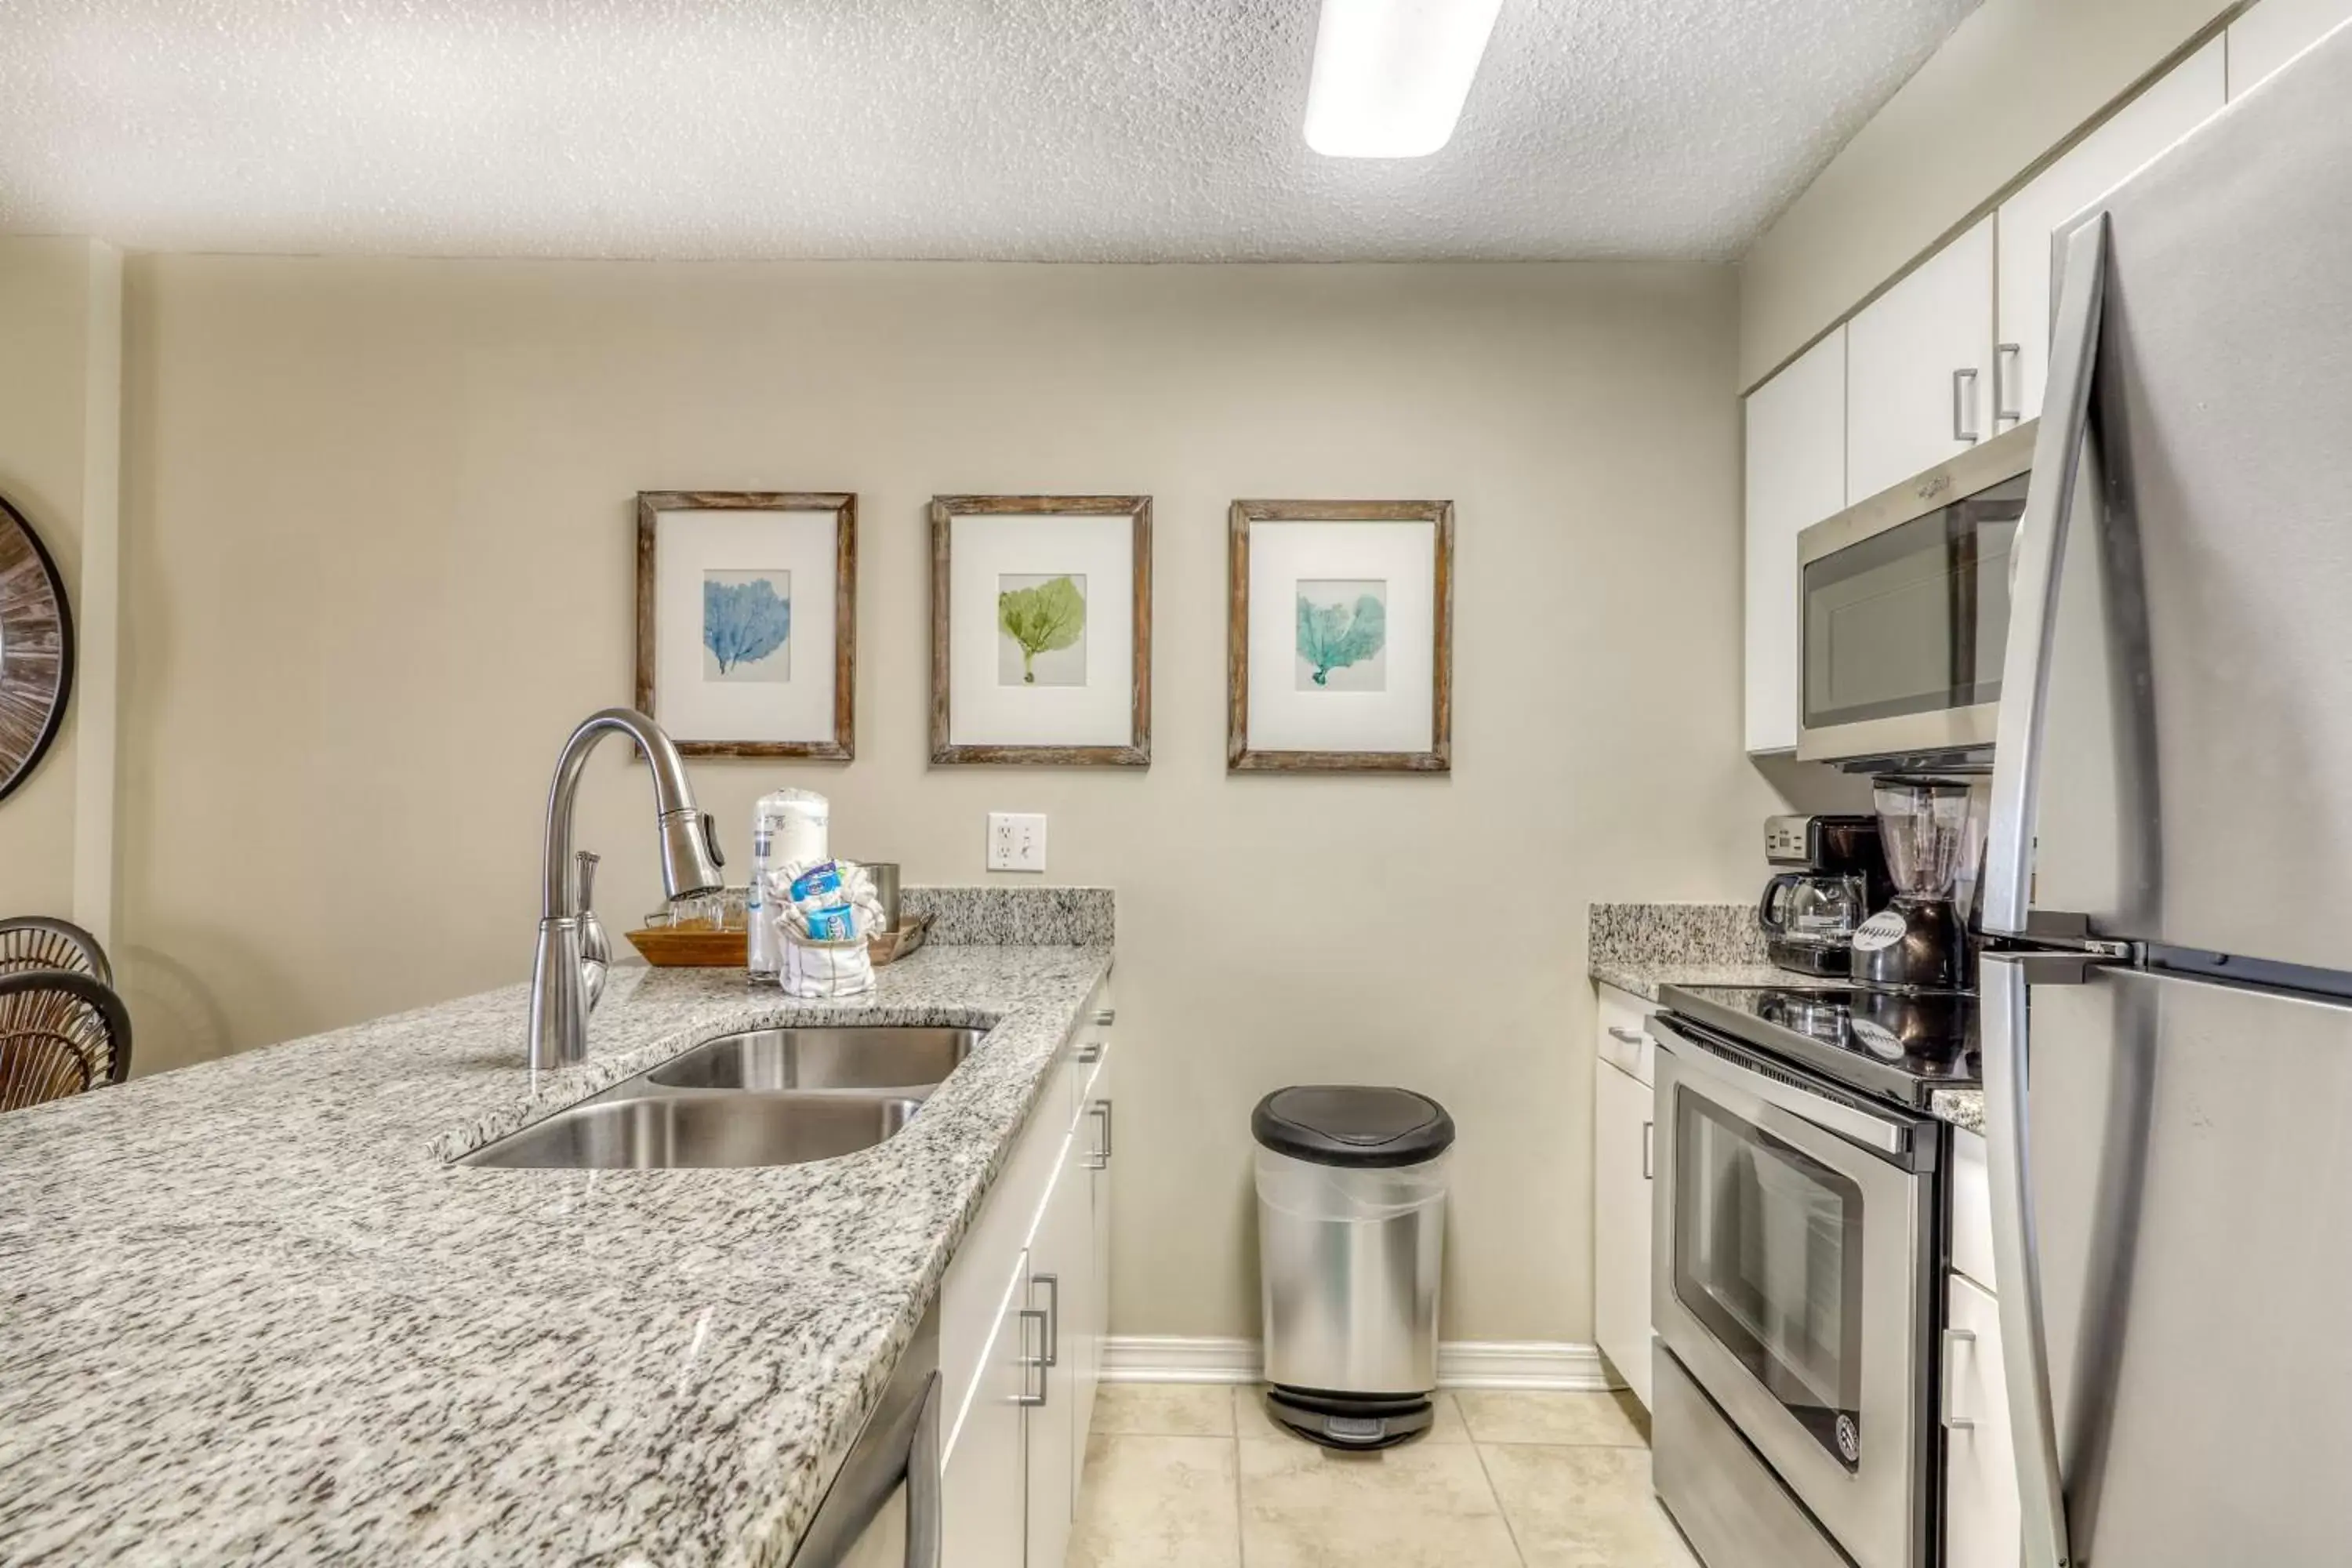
<point>2171,107</point>
<point>1796,477</point>
<point>1918,362</point>
<point>2275,32</point>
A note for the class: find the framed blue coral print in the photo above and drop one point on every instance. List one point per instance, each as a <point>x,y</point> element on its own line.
<point>747,610</point>
<point>1339,638</point>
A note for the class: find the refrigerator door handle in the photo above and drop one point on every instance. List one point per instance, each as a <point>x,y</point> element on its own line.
<point>2016,1254</point>
<point>2033,592</point>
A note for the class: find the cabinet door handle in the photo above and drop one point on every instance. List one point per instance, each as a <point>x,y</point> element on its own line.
<point>1952,1339</point>
<point>1100,1158</point>
<point>2005,389</point>
<point>1964,403</point>
<point>1029,1363</point>
<point>1623,1035</point>
<point>1648,1128</point>
<point>1053,1283</point>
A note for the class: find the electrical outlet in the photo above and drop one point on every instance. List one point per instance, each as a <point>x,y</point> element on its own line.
<point>1016,841</point>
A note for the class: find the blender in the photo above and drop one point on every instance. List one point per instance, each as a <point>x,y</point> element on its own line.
<point>1932,831</point>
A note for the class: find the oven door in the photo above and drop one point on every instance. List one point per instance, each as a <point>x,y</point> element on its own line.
<point>1794,1230</point>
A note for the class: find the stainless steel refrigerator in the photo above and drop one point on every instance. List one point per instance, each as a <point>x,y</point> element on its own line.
<point>2167,1051</point>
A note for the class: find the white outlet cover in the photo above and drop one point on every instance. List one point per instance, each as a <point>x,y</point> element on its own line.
<point>1016,841</point>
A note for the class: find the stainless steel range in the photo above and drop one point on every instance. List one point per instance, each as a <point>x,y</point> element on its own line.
<point>1800,1222</point>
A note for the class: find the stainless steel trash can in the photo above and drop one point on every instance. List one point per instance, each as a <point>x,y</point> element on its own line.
<point>1351,1229</point>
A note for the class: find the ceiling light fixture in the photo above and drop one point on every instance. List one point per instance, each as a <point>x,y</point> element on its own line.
<point>1391,75</point>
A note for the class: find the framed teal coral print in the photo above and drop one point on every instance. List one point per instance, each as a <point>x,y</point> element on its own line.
<point>1340,637</point>
<point>747,613</point>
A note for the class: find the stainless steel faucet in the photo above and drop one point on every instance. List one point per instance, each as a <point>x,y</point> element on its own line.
<point>560,982</point>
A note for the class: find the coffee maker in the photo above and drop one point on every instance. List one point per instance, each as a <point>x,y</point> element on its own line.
<point>1932,832</point>
<point>1838,876</point>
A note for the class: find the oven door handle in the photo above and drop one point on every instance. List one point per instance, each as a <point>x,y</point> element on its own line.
<point>1891,1138</point>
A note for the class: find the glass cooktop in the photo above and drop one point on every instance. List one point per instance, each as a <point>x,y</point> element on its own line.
<point>1902,1045</point>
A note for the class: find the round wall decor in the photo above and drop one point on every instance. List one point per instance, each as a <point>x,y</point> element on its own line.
<point>35,650</point>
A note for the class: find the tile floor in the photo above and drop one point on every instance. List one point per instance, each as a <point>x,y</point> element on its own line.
<point>1186,1477</point>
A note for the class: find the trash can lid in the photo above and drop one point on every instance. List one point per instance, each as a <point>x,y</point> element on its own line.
<point>1353,1125</point>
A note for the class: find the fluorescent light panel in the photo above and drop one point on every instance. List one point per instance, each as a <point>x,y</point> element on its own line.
<point>1391,75</point>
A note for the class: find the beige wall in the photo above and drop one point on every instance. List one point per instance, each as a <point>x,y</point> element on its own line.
<point>2012,82</point>
<point>381,520</point>
<point>60,303</point>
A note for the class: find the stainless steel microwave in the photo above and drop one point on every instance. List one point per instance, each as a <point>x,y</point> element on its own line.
<point>1906,611</point>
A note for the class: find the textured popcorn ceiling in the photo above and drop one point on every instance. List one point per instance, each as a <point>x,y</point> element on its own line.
<point>1113,130</point>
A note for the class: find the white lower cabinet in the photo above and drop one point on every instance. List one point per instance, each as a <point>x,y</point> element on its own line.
<point>1059,1262</point>
<point>1021,1351</point>
<point>984,1492</point>
<point>1091,1321</point>
<point>1623,1140</point>
<point>1980,1528</point>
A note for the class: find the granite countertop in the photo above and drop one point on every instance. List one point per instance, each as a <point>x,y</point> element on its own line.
<point>252,1310</point>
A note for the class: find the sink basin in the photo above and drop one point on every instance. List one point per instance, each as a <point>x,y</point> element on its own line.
<point>868,1058</point>
<point>690,1131</point>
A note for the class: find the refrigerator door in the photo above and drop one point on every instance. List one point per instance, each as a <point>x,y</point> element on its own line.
<point>2190,1174</point>
<point>2195,743</point>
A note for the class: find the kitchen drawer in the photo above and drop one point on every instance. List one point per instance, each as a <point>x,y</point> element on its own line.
<point>1972,1208</point>
<point>1624,1042</point>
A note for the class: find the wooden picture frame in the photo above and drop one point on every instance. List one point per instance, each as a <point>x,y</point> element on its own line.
<point>1133,749</point>
<point>842,602</point>
<point>38,633</point>
<point>1243,755</point>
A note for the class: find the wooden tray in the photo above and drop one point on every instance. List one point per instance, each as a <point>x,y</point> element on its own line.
<point>698,947</point>
<point>692,947</point>
<point>897,944</point>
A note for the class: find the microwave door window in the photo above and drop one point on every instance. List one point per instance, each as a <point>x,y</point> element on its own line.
<point>1767,1257</point>
<point>1912,620</point>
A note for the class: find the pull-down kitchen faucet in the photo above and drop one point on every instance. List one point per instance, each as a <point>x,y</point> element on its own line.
<point>691,862</point>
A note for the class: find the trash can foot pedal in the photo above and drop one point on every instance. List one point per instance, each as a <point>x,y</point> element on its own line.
<point>1340,1422</point>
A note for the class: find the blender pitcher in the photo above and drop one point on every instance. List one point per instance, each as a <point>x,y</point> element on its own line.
<point>1932,832</point>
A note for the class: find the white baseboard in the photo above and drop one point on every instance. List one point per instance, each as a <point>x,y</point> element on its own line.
<point>1460,1363</point>
<point>1162,1358</point>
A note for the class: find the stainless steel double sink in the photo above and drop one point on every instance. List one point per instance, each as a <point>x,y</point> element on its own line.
<point>767,1096</point>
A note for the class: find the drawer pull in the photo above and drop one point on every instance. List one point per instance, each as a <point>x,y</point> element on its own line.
<point>1106,1016</point>
<point>1090,1052</point>
<point>1032,1362</point>
<point>1952,1338</point>
<point>1623,1035</point>
<point>1053,1283</point>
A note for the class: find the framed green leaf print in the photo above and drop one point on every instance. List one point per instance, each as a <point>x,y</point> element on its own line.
<point>1040,629</point>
